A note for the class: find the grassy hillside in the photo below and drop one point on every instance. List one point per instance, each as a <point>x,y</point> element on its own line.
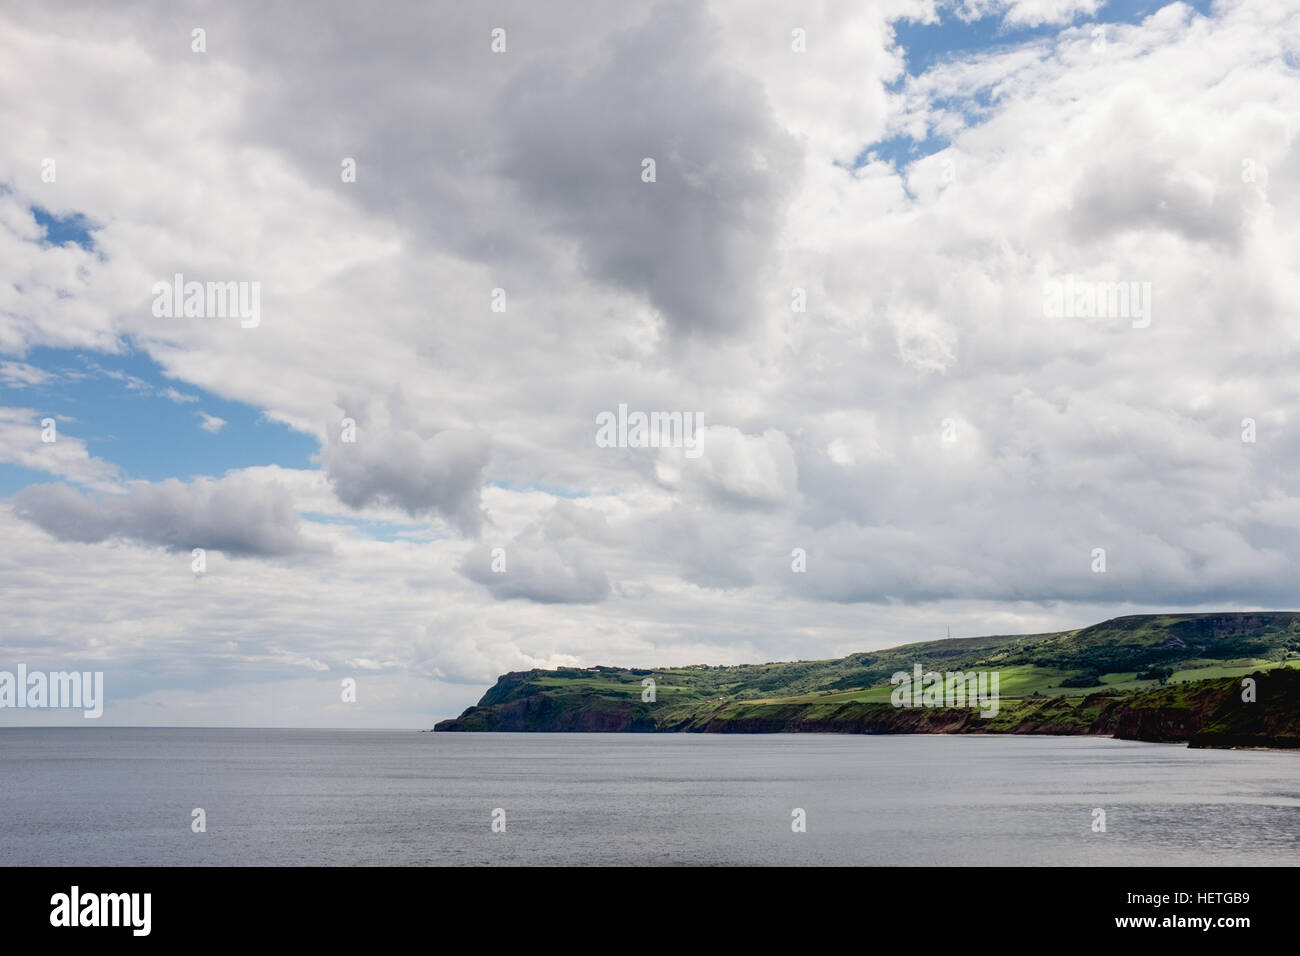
<point>1049,683</point>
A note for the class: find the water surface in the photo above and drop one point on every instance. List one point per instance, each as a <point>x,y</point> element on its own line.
<point>114,796</point>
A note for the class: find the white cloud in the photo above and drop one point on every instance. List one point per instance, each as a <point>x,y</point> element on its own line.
<point>23,442</point>
<point>1029,13</point>
<point>211,423</point>
<point>20,374</point>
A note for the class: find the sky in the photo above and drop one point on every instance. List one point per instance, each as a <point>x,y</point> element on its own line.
<point>454,259</point>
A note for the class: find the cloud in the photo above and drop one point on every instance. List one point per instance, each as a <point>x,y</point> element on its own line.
<point>21,375</point>
<point>234,515</point>
<point>22,443</point>
<point>211,423</point>
<point>576,136</point>
<point>925,342</point>
<point>1031,13</point>
<point>1136,190</point>
<point>735,469</point>
<point>541,574</point>
<point>401,464</point>
<point>556,559</point>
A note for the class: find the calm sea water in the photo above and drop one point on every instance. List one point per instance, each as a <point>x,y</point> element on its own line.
<point>124,796</point>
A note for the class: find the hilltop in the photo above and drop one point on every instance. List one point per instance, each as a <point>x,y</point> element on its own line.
<point>1148,677</point>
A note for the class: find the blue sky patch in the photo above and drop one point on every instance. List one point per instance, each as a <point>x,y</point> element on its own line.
<point>129,413</point>
<point>901,150</point>
<point>73,229</point>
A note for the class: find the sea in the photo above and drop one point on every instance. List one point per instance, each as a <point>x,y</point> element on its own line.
<point>109,796</point>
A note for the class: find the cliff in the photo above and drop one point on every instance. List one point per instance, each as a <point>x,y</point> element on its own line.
<point>1156,678</point>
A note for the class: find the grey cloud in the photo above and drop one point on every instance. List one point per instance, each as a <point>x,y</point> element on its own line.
<point>440,474</point>
<point>713,551</point>
<point>1134,193</point>
<point>735,470</point>
<point>233,515</point>
<point>695,240</point>
<point>554,561</point>
<point>542,574</point>
<point>1211,563</point>
<point>544,141</point>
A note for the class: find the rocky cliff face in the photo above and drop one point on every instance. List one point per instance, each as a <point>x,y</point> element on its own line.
<point>937,721</point>
<point>539,713</point>
<point>1211,713</point>
<point>1150,723</point>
